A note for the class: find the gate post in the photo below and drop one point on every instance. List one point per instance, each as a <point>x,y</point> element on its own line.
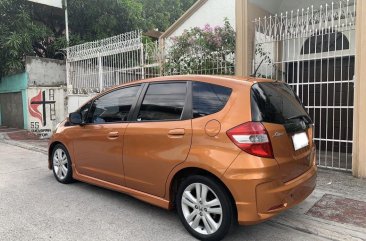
<point>359,126</point>
<point>100,73</point>
<point>241,53</point>
<point>142,60</point>
<point>68,82</point>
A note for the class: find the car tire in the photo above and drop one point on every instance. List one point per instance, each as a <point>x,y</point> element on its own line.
<point>61,164</point>
<point>204,207</point>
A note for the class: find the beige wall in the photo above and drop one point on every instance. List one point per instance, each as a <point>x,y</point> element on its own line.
<point>359,125</point>
<point>242,60</point>
<point>246,13</point>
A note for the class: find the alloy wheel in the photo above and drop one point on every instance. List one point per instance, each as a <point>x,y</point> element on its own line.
<point>60,163</point>
<point>201,208</point>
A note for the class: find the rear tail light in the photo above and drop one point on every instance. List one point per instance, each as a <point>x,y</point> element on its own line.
<point>252,138</point>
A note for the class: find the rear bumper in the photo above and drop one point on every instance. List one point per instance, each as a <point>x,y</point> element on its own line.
<point>275,197</point>
<point>258,199</point>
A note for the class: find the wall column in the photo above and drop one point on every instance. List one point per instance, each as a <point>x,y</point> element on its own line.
<point>242,50</point>
<point>359,123</point>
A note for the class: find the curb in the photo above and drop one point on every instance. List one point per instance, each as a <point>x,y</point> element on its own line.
<point>3,139</point>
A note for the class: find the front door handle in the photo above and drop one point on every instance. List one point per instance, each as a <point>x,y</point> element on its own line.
<point>113,134</point>
<point>176,132</point>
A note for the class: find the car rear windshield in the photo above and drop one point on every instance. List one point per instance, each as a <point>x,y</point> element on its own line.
<point>275,102</point>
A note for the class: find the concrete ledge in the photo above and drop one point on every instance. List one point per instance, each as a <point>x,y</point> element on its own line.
<point>5,139</point>
<point>320,227</point>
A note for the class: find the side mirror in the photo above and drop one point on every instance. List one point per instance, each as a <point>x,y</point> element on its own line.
<point>75,118</point>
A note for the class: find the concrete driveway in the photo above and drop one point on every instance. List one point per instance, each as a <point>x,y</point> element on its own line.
<point>34,206</point>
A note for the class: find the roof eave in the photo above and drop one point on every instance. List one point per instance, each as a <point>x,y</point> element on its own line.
<point>183,18</point>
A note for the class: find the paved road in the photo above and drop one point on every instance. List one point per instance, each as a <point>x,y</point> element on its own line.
<point>33,206</point>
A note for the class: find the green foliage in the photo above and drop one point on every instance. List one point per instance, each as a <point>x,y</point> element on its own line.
<point>32,29</point>
<point>207,50</point>
<point>17,34</point>
<point>97,19</point>
<point>161,14</point>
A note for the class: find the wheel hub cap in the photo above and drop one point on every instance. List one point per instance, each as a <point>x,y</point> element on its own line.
<point>201,208</point>
<point>60,164</point>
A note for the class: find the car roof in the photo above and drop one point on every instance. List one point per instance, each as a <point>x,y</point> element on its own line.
<point>225,80</point>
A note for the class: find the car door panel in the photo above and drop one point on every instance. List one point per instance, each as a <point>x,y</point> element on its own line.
<point>97,154</point>
<point>151,151</point>
<point>98,144</point>
<point>159,139</point>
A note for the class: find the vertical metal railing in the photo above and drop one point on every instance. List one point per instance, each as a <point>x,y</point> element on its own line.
<point>95,66</point>
<point>313,50</point>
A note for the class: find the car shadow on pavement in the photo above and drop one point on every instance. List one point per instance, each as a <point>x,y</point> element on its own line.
<point>124,206</point>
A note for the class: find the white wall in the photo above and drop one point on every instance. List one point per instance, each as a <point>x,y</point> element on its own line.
<point>264,69</point>
<point>213,12</point>
<point>45,72</point>
<point>55,112</point>
<point>76,101</point>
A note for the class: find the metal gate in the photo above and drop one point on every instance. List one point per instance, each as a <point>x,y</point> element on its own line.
<point>313,50</point>
<point>95,66</point>
<point>11,110</point>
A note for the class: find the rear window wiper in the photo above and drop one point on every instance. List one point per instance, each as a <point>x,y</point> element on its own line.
<point>300,116</point>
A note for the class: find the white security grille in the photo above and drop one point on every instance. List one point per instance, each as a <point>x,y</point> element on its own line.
<point>95,66</point>
<point>313,50</point>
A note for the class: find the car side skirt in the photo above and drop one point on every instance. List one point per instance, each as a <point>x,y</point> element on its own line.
<point>154,200</point>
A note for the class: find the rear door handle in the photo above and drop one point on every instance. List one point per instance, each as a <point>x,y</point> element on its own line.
<point>113,134</point>
<point>176,132</point>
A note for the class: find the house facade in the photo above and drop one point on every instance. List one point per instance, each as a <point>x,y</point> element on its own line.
<point>35,99</point>
<point>312,46</point>
<point>201,13</point>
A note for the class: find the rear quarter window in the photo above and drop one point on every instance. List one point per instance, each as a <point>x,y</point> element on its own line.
<point>208,98</point>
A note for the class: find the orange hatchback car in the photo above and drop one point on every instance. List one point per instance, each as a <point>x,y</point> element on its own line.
<point>220,150</point>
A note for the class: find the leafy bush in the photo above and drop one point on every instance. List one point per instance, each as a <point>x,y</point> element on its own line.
<point>208,50</point>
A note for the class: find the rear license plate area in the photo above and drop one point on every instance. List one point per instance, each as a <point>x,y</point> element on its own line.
<point>300,140</point>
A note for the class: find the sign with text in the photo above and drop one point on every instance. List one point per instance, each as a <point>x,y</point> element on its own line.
<point>53,3</point>
<point>42,111</point>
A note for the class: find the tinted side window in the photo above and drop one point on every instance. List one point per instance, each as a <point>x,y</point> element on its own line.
<point>114,106</point>
<point>208,98</point>
<point>163,102</point>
